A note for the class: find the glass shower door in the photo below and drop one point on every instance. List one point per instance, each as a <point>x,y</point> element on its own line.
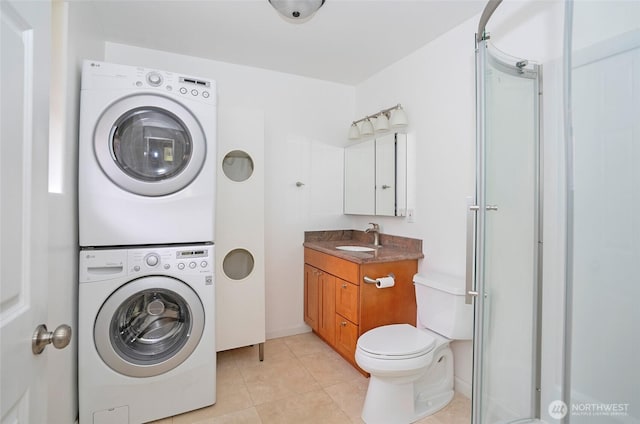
<point>602,371</point>
<point>506,342</point>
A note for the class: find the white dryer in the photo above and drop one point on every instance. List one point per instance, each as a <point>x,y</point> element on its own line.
<point>147,156</point>
<point>146,333</point>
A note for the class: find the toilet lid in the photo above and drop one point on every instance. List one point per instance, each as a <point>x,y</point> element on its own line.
<point>400,340</point>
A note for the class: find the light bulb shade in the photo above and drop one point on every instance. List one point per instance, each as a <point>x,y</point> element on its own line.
<point>297,10</point>
<point>367,127</point>
<point>382,123</point>
<point>399,118</point>
<point>354,132</point>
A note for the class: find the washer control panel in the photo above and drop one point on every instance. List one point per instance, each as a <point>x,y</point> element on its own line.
<point>105,264</point>
<point>186,260</point>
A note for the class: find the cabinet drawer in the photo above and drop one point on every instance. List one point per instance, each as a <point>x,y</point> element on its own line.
<point>339,267</point>
<point>346,337</point>
<point>347,300</point>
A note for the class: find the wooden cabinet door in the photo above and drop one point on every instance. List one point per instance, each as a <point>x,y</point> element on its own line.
<point>312,297</point>
<point>347,300</point>
<point>328,307</point>
<point>346,337</point>
<point>393,305</point>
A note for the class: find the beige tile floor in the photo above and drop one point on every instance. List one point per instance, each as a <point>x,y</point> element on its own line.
<point>302,380</point>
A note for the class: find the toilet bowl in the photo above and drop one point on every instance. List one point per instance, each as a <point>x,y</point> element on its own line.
<point>412,368</point>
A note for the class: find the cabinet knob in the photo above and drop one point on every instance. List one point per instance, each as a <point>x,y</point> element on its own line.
<point>343,323</point>
<point>344,285</point>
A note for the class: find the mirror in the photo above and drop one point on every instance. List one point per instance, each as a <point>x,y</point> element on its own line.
<point>359,178</point>
<point>376,176</point>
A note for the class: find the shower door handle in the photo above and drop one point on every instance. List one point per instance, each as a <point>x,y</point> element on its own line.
<point>472,208</point>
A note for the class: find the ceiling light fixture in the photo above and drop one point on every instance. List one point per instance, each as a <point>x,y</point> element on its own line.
<point>297,10</point>
<point>393,117</point>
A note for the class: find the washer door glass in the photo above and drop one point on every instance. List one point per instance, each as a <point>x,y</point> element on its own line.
<point>149,326</point>
<point>150,144</point>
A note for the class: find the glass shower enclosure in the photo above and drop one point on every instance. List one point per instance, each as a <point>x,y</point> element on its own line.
<point>602,87</point>
<point>504,227</point>
<point>593,193</point>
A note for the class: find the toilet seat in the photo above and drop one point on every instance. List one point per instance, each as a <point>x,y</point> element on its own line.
<point>396,341</point>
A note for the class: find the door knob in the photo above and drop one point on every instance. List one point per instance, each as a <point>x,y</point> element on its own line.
<point>60,338</point>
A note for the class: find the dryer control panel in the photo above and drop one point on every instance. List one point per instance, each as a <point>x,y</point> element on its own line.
<point>105,264</point>
<point>102,75</point>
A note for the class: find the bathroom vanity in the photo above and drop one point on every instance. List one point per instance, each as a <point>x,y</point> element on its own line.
<point>338,304</point>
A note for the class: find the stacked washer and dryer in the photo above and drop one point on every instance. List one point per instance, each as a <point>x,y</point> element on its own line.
<point>147,159</point>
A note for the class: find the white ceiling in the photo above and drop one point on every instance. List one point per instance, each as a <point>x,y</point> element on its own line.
<point>346,41</point>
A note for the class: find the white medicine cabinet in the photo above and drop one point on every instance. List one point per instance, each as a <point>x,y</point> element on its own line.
<point>375,176</point>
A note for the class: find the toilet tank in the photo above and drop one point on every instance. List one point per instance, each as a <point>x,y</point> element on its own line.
<point>441,307</point>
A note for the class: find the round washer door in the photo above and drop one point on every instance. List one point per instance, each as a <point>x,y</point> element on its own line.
<point>149,145</point>
<point>149,326</point>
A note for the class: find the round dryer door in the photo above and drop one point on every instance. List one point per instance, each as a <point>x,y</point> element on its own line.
<point>149,145</point>
<point>149,326</point>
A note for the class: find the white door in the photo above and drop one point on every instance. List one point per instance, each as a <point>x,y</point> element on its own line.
<point>24,84</point>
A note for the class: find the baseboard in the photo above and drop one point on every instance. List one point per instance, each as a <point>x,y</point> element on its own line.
<point>288,332</point>
<point>462,387</point>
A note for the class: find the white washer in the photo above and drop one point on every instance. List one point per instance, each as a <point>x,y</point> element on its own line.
<point>147,156</point>
<point>146,333</point>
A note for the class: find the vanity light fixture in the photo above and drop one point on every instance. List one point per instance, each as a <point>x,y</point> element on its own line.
<point>367,127</point>
<point>297,11</point>
<point>399,118</point>
<point>354,132</point>
<point>380,122</point>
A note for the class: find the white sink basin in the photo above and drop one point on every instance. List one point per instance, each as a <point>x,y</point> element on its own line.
<point>355,248</point>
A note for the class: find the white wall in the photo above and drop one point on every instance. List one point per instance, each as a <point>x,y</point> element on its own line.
<point>71,41</point>
<point>436,86</point>
<point>305,125</point>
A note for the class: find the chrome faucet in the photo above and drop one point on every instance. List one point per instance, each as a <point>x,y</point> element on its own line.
<point>375,229</point>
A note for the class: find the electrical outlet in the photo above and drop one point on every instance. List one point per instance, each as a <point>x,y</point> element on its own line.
<point>411,216</point>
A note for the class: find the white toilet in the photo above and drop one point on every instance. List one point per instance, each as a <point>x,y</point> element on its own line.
<point>412,368</point>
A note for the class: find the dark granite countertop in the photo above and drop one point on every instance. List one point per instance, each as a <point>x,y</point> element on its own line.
<point>392,248</point>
